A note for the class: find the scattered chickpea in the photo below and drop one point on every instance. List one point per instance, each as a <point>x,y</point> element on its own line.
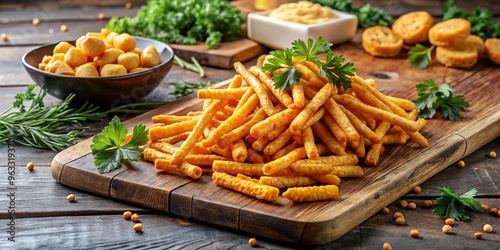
<point>128,5</point>
<point>412,205</point>
<point>403,204</point>
<point>127,215</point>
<point>400,220</point>
<point>101,16</point>
<point>414,233</point>
<point>446,229</point>
<point>449,221</point>
<point>385,210</point>
<point>397,215</point>
<point>478,235</point>
<point>494,211</point>
<point>428,203</point>
<point>64,28</point>
<point>485,207</point>
<point>134,217</point>
<point>36,21</point>
<point>487,228</point>
<point>252,242</point>
<point>4,36</point>
<point>386,246</point>
<point>492,154</point>
<point>30,166</point>
<point>138,227</point>
<point>461,163</point>
<point>417,189</point>
<point>71,198</point>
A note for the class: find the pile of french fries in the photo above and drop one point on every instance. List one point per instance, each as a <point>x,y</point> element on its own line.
<point>259,140</point>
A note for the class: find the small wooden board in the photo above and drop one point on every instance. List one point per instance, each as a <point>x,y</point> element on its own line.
<point>399,170</point>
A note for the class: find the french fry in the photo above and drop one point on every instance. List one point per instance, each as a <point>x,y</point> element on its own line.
<point>198,149</point>
<point>253,155</point>
<point>243,130</point>
<point>247,178</point>
<point>298,94</point>
<point>309,144</point>
<point>261,90</point>
<point>334,160</point>
<point>406,105</point>
<point>360,127</point>
<point>169,119</point>
<point>184,168</point>
<point>285,150</point>
<point>342,120</point>
<point>250,188</point>
<point>336,130</point>
<point>226,152</point>
<point>176,138</point>
<point>311,169</point>
<point>309,76</point>
<point>349,171</point>
<point>286,181</point>
<point>284,161</point>
<point>375,151</point>
<point>315,68</point>
<point>245,98</point>
<point>151,154</point>
<point>227,94</point>
<point>360,149</point>
<point>271,123</point>
<point>278,143</point>
<point>233,168</point>
<point>261,143</point>
<point>239,150</point>
<point>329,179</point>
<point>328,139</point>
<point>164,147</point>
<point>312,193</point>
<point>319,99</point>
<point>158,132</point>
<point>315,118</point>
<point>282,96</point>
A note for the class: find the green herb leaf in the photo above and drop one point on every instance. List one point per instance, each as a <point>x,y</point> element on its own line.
<point>482,21</point>
<point>108,148</point>
<point>419,56</point>
<point>302,51</point>
<point>451,205</point>
<point>186,88</point>
<point>432,98</point>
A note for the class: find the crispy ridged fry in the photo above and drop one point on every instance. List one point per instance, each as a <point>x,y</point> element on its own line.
<point>158,132</point>
<point>319,99</point>
<point>336,130</point>
<point>250,188</point>
<point>254,156</point>
<point>282,96</point>
<point>175,138</point>
<point>315,118</point>
<point>271,123</point>
<point>286,181</point>
<point>263,141</point>
<point>328,139</point>
<point>329,179</point>
<point>312,193</point>
<point>405,104</point>
<point>311,168</point>
<point>227,94</point>
<point>151,154</point>
<point>348,171</point>
<point>298,94</point>
<point>164,147</point>
<point>233,168</point>
<point>184,168</point>
<point>343,121</point>
<point>247,178</point>
<point>243,130</point>
<point>360,126</point>
<point>239,150</point>
<point>169,119</point>
<point>375,151</point>
<point>226,152</point>
<point>198,149</point>
<point>309,144</point>
<point>309,76</point>
<point>284,161</point>
<point>261,90</point>
<point>334,160</point>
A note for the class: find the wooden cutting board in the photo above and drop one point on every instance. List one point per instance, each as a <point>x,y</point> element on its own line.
<point>400,168</point>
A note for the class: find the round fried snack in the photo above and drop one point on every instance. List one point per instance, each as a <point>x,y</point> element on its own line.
<point>381,41</point>
<point>124,42</point>
<point>463,56</point>
<point>93,46</point>
<point>150,57</point>
<point>86,70</point>
<point>478,43</point>
<point>492,46</point>
<point>450,32</point>
<point>413,27</point>
<point>75,57</point>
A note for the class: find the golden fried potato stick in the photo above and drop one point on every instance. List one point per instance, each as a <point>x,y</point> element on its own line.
<point>253,155</point>
<point>286,181</point>
<point>263,141</point>
<point>334,160</point>
<point>233,168</point>
<point>284,162</point>
<point>336,130</point>
<point>260,89</point>
<point>316,102</point>
<point>271,123</point>
<point>375,151</point>
<point>282,96</point>
<point>165,131</point>
<point>360,149</point>
<point>360,126</point>
<point>169,119</point>
<point>315,118</point>
<point>243,130</point>
<point>164,147</point>
<point>247,178</point>
<point>312,193</point>
<point>328,139</point>
<point>311,168</point>
<point>239,150</point>
<point>176,138</point>
<point>309,144</point>
<point>349,171</point>
<point>226,152</point>
<point>184,168</point>
<point>309,76</point>
<point>227,94</point>
<point>315,68</point>
<point>278,143</point>
<point>405,104</point>
<point>249,188</point>
<point>245,98</point>
<point>329,179</point>
<point>151,154</point>
<point>342,120</point>
<point>198,149</point>
<point>298,94</point>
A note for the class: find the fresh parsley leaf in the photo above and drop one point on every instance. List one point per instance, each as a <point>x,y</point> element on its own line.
<point>302,51</point>
<point>419,56</point>
<point>482,21</point>
<point>109,150</point>
<point>451,205</point>
<point>431,98</point>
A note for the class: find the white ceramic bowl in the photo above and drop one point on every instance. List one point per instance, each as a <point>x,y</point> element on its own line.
<point>279,34</point>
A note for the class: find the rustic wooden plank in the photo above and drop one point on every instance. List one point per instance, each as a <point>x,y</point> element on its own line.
<point>51,5</point>
<point>12,72</point>
<point>26,16</point>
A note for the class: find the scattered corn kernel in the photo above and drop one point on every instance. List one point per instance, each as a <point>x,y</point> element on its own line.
<point>412,205</point>
<point>134,217</point>
<point>101,16</point>
<point>252,242</point>
<point>403,204</point>
<point>478,235</point>
<point>428,203</point>
<point>397,215</point>
<point>127,215</point>
<point>461,163</point>
<point>35,21</point>
<point>414,233</point>
<point>386,246</point>
<point>385,210</point>
<point>492,154</point>
<point>485,207</point>
<point>417,189</point>
<point>400,220</point>
<point>138,227</point>
<point>4,36</point>
<point>487,228</point>
<point>30,166</point>
<point>449,221</point>
<point>64,28</point>
<point>446,229</point>
<point>71,198</point>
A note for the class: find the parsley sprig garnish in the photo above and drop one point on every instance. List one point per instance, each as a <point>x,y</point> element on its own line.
<point>419,56</point>
<point>331,69</point>
<point>109,149</point>
<point>451,205</point>
<point>431,98</point>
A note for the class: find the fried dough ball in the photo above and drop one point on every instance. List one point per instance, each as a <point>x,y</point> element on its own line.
<point>109,56</point>
<point>129,60</point>
<point>87,70</point>
<point>62,47</point>
<point>75,57</point>
<point>150,57</point>
<point>124,42</point>
<point>93,46</point>
<point>113,70</point>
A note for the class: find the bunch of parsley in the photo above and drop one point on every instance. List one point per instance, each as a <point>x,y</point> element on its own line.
<point>183,21</point>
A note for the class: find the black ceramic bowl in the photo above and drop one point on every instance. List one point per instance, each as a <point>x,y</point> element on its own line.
<point>104,91</point>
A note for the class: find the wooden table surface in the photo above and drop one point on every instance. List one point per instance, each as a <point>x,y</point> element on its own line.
<point>44,219</point>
